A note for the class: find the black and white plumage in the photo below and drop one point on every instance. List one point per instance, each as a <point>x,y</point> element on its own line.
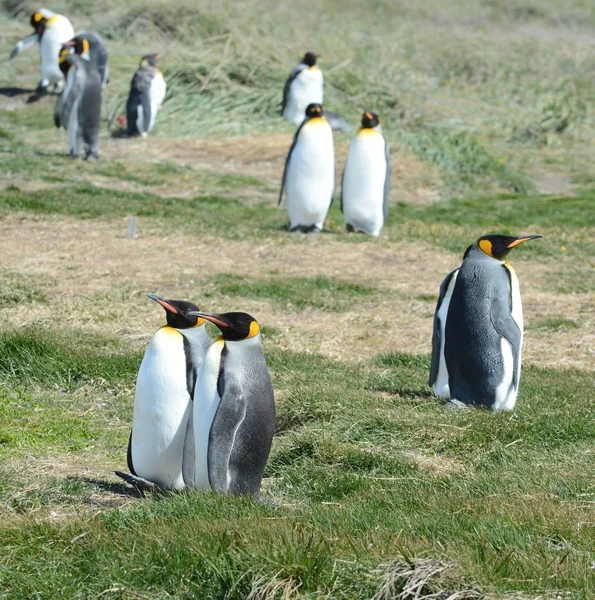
<point>234,409</point>
<point>51,31</point>
<point>90,46</point>
<point>366,179</point>
<point>147,92</point>
<point>304,86</point>
<point>161,445</point>
<point>309,173</point>
<point>78,109</point>
<point>478,328</point>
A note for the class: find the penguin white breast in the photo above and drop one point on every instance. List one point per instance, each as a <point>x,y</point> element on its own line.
<point>363,182</point>
<point>161,410</point>
<point>58,30</point>
<point>157,95</point>
<point>306,88</point>
<point>206,402</point>
<point>440,387</point>
<point>311,174</point>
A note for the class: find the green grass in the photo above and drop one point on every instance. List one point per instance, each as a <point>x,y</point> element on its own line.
<point>372,469</point>
<point>17,290</point>
<point>293,293</point>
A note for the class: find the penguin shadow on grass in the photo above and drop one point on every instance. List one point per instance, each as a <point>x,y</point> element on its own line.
<point>36,95</point>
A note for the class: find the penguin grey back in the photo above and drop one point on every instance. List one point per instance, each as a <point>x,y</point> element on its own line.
<point>479,316</point>
<point>140,96</point>
<point>244,425</point>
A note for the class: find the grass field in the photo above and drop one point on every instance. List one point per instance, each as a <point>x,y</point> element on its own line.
<point>382,493</point>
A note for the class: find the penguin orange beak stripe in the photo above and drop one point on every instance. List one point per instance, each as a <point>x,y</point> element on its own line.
<point>368,116</point>
<point>524,239</point>
<point>69,43</point>
<point>212,318</point>
<point>164,303</point>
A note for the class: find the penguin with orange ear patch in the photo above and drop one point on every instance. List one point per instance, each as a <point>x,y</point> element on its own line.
<point>478,328</point>
<point>234,408</point>
<point>161,446</point>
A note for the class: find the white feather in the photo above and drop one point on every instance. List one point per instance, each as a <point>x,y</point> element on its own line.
<point>363,182</point>
<point>311,175</point>
<point>157,95</point>
<point>305,89</point>
<point>57,31</point>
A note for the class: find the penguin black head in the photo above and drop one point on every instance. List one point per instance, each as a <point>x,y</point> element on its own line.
<point>179,312</point>
<point>310,59</point>
<point>234,326</point>
<point>80,44</point>
<point>370,120</point>
<point>38,22</point>
<point>498,246</point>
<point>150,60</point>
<point>63,58</point>
<point>314,110</point>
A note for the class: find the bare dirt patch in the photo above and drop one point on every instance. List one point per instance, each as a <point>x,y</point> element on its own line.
<point>99,278</point>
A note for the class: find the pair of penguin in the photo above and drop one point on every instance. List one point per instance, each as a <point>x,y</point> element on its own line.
<point>305,86</point>
<point>478,328</point>
<point>309,175</point>
<point>204,415</point>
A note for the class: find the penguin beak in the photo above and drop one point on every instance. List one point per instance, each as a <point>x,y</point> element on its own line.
<point>524,238</point>
<point>169,307</point>
<point>215,319</point>
<point>69,43</point>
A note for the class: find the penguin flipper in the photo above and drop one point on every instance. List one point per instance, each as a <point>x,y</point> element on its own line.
<point>189,453</point>
<point>228,419</point>
<point>294,73</point>
<point>129,455</point>
<point>58,110</point>
<point>291,148</point>
<point>437,333</point>
<point>23,44</point>
<point>507,327</point>
<point>387,180</point>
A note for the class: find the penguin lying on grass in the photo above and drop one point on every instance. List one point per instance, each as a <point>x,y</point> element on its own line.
<point>78,109</point>
<point>51,31</point>
<point>309,173</point>
<point>478,328</point>
<point>366,179</point>
<point>161,445</point>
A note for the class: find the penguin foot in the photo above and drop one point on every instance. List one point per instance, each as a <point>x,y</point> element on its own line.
<point>137,482</point>
<point>297,230</point>
<point>453,403</point>
<point>349,228</point>
<point>313,229</point>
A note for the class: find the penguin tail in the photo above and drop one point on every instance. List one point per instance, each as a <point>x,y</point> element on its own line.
<point>137,482</point>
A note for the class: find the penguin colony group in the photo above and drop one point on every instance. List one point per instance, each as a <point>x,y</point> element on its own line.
<point>204,413</point>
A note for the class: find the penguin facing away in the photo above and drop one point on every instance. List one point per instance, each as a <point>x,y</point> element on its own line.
<point>304,86</point>
<point>309,173</point>
<point>478,338</point>
<point>147,92</point>
<point>78,109</point>
<point>161,445</point>
<point>234,408</point>
<point>366,179</point>
<point>89,45</point>
<point>51,31</point>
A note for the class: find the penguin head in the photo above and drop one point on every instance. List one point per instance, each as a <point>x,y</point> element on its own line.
<point>150,60</point>
<point>498,246</point>
<point>63,61</point>
<point>370,120</point>
<point>39,21</point>
<point>310,58</point>
<point>314,110</point>
<point>234,326</point>
<point>179,313</point>
<point>80,44</point>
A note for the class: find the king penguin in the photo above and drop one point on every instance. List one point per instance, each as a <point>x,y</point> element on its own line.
<point>147,92</point>
<point>303,86</point>
<point>161,445</point>
<point>309,173</point>
<point>478,328</point>
<point>366,179</point>
<point>51,31</point>
<point>78,108</point>
<point>234,408</point>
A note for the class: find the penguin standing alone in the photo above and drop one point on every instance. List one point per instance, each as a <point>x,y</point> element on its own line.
<point>147,92</point>
<point>309,173</point>
<point>51,31</point>
<point>234,408</point>
<point>478,337</point>
<point>304,86</point>
<point>161,445</point>
<point>366,179</point>
<point>79,110</point>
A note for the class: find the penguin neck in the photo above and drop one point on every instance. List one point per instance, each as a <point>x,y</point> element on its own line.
<point>476,254</point>
<point>245,343</point>
<point>191,332</point>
